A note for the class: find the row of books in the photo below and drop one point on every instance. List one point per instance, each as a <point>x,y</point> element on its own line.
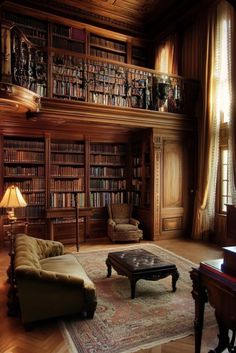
<point>110,90</point>
<point>108,184</point>
<point>35,198</point>
<point>27,144</point>
<point>37,211</point>
<point>101,199</point>
<point>105,79</point>
<point>58,170</point>
<point>107,43</point>
<point>69,185</point>
<point>67,158</point>
<point>67,147</point>
<point>67,71</point>
<point>34,185</point>
<point>68,88</point>
<point>103,148</point>
<point>12,155</point>
<point>106,69</point>
<point>135,198</point>
<point>107,172</point>
<point>65,200</point>
<point>107,159</point>
<point>24,171</point>
<point>107,55</point>
<point>137,172</point>
<point>107,99</point>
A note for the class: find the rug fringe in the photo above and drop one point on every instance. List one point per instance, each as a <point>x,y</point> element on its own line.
<point>67,338</point>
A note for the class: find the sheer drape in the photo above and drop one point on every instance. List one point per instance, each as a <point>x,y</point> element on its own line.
<point>167,56</point>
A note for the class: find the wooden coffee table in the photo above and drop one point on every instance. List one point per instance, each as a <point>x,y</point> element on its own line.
<point>140,264</point>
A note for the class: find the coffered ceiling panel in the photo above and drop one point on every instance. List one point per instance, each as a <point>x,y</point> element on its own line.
<point>135,17</point>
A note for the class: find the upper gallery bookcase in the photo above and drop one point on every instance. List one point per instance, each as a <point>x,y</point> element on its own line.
<point>73,64</point>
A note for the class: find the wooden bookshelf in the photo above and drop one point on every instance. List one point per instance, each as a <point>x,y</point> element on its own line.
<point>67,174</point>
<point>68,77</point>
<point>139,56</point>
<point>73,63</point>
<point>108,174</point>
<point>68,38</point>
<point>107,48</point>
<point>24,166</point>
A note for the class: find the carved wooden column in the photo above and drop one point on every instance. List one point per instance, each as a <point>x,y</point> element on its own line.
<point>6,53</point>
<point>157,153</point>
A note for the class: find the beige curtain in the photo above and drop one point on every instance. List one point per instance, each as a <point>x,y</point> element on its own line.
<point>202,63</point>
<point>166,58</point>
<point>198,62</point>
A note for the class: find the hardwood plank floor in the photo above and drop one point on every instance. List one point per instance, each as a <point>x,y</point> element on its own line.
<point>46,336</point>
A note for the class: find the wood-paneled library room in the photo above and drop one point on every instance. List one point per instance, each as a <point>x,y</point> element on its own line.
<point>118,176</point>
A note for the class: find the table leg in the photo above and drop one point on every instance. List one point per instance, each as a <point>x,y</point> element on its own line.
<point>175,277</point>
<point>200,296</point>
<point>223,337</point>
<point>132,286</point>
<point>108,267</point>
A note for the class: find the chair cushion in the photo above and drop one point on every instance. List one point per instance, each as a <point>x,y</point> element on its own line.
<point>125,227</point>
<point>121,220</point>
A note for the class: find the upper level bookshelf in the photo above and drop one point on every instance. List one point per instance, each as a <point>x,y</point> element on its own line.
<point>107,48</point>
<point>69,38</point>
<point>74,64</point>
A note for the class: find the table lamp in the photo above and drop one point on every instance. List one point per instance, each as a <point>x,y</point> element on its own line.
<point>12,199</point>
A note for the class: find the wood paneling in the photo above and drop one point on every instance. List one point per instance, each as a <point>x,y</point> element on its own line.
<point>172,174</point>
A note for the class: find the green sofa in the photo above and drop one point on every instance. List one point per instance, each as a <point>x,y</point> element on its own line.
<point>50,283</point>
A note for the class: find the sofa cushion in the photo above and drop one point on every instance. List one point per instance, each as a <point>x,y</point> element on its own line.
<point>69,266</point>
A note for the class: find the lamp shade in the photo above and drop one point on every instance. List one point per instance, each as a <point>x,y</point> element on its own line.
<point>13,198</point>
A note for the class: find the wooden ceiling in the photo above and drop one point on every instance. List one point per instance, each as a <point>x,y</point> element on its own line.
<point>141,18</point>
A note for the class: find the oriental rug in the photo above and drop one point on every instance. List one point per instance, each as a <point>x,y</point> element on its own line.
<point>121,324</point>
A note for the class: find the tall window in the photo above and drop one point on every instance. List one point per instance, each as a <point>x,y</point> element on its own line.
<point>224,101</point>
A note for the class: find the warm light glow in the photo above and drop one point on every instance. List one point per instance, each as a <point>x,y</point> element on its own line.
<point>12,199</point>
<point>222,72</point>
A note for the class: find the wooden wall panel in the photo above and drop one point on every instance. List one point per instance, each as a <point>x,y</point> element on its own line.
<point>173,174</point>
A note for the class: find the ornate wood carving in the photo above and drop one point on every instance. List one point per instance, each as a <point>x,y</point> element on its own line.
<point>158,145</point>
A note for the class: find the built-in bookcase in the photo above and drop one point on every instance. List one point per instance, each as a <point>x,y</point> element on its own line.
<point>24,166</point>
<point>67,174</point>
<point>108,174</point>
<point>68,38</point>
<point>139,56</point>
<point>107,48</point>
<point>136,188</point>
<point>72,63</point>
<point>68,77</point>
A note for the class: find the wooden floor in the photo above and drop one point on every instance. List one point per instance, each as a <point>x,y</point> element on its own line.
<point>46,337</point>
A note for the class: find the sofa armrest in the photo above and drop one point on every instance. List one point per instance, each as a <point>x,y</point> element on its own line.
<point>134,221</point>
<point>50,247</point>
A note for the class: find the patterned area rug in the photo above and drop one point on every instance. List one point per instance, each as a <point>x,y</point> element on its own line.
<point>156,315</point>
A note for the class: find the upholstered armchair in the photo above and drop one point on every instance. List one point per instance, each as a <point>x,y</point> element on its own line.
<point>121,225</point>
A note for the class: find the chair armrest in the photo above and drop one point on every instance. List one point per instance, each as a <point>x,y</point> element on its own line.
<point>111,222</point>
<point>134,221</point>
